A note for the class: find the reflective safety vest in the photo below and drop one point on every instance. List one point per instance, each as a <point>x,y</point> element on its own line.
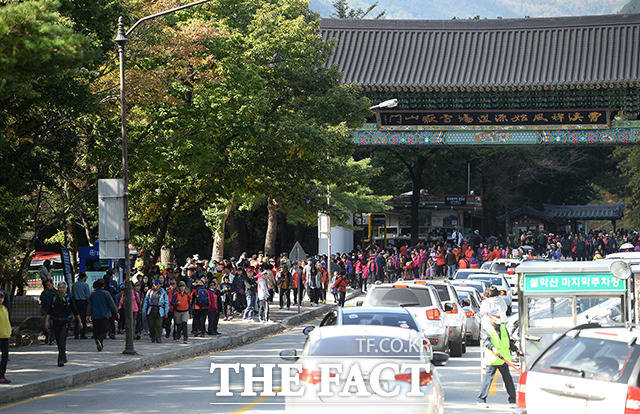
<point>501,343</point>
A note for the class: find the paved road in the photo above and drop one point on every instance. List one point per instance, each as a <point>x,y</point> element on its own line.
<point>188,387</point>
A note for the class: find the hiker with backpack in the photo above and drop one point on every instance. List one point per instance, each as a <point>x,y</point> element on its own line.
<point>181,301</point>
<point>341,286</point>
<point>156,307</point>
<point>213,314</point>
<point>250,290</point>
<point>200,301</point>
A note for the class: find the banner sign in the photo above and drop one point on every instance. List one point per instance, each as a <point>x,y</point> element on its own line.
<point>455,200</point>
<point>502,119</point>
<point>65,255</point>
<point>573,283</point>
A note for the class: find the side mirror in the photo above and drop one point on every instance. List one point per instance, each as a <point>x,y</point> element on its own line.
<point>466,302</point>
<point>448,307</point>
<point>439,359</point>
<point>359,303</point>
<point>308,329</point>
<point>289,355</point>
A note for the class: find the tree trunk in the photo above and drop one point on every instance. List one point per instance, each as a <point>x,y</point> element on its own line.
<point>217,251</point>
<point>87,229</point>
<point>415,198</point>
<point>70,235</point>
<point>507,219</point>
<point>299,233</point>
<point>72,245</point>
<point>272,228</point>
<point>166,255</point>
<point>234,233</point>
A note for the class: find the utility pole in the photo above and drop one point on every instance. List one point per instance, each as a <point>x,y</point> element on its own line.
<point>329,234</point>
<point>121,40</point>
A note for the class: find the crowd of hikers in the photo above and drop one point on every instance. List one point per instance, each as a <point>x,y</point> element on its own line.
<point>165,298</point>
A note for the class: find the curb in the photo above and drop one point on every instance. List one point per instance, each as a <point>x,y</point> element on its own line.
<point>92,375</point>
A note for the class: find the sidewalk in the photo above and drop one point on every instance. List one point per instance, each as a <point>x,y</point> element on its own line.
<point>33,370</point>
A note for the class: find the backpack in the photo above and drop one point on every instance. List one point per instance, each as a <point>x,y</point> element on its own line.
<point>202,298</point>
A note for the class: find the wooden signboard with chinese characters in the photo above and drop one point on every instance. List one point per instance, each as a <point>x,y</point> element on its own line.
<point>495,119</point>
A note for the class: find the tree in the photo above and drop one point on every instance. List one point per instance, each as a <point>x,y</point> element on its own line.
<point>44,58</point>
<point>344,11</point>
<point>279,101</point>
<point>632,7</point>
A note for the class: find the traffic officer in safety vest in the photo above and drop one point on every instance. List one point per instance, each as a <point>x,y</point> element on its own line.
<point>496,346</point>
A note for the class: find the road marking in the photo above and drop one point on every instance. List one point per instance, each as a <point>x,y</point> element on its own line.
<point>494,385</point>
<point>255,402</point>
<point>39,397</point>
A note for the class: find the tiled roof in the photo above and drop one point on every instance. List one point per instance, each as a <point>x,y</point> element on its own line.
<point>602,212</point>
<point>508,53</point>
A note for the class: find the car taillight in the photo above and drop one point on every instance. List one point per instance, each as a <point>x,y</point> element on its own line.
<point>633,401</point>
<point>454,310</point>
<point>425,378</point>
<point>511,271</point>
<point>433,314</point>
<point>470,314</point>
<point>503,292</point>
<point>521,395</point>
<point>426,344</point>
<point>312,377</point>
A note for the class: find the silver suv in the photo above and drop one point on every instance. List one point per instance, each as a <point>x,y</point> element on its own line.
<point>423,303</point>
<point>454,315</point>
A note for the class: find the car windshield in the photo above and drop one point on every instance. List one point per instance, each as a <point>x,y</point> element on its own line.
<point>464,294</point>
<point>356,345</point>
<point>478,286</point>
<point>593,358</point>
<point>499,268</point>
<point>462,274</point>
<point>495,281</point>
<point>401,320</point>
<point>398,296</point>
<point>443,292</point>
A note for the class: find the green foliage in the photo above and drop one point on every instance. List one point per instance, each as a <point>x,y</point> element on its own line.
<point>344,11</point>
<point>629,168</point>
<point>632,7</point>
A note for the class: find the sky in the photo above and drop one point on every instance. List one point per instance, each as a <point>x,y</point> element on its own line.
<point>446,9</point>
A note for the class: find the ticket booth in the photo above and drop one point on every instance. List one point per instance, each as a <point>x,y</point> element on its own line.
<point>556,296</point>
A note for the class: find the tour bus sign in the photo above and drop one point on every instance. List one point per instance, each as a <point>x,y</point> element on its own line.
<point>595,282</point>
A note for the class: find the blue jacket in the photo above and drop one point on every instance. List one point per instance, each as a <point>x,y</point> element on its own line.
<point>101,304</point>
<point>164,303</point>
<point>349,267</point>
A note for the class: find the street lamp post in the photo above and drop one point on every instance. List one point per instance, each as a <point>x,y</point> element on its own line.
<point>121,40</point>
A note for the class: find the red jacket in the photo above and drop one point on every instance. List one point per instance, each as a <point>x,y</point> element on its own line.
<point>213,300</point>
<point>340,284</point>
<point>181,301</point>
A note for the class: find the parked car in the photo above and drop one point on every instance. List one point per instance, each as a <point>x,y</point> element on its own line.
<point>499,282</point>
<point>471,306</point>
<point>455,318</point>
<point>478,285</point>
<point>378,315</point>
<point>588,369</point>
<point>422,301</point>
<point>507,268</point>
<point>464,273</point>
<point>343,346</point>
